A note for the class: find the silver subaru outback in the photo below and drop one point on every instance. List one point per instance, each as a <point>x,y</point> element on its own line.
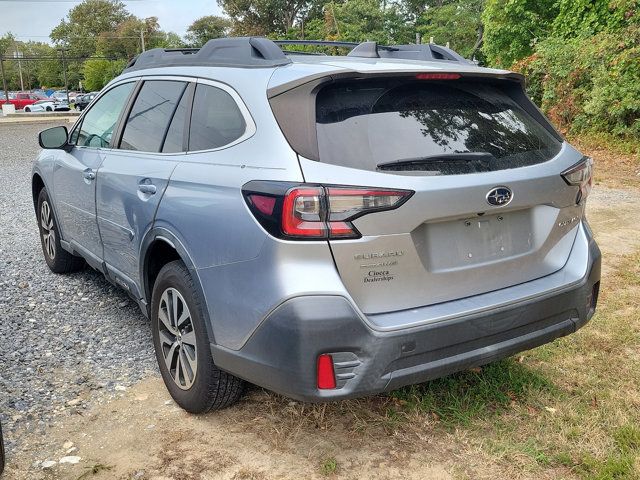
<point>323,226</point>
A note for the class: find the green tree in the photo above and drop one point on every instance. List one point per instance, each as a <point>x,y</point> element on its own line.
<point>126,40</point>
<point>41,73</point>
<point>361,20</point>
<point>170,40</point>
<point>79,32</point>
<point>205,28</point>
<point>513,27</point>
<point>7,45</point>
<point>85,22</point>
<point>98,72</point>
<point>457,22</point>
<point>267,17</point>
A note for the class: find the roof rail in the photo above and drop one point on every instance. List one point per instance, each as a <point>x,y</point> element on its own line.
<point>245,52</point>
<point>328,43</point>
<point>428,51</point>
<point>257,52</point>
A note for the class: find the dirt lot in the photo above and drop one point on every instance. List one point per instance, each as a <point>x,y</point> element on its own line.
<point>567,410</point>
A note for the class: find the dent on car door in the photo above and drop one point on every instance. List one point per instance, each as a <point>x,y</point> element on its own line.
<point>133,177</point>
<point>75,172</point>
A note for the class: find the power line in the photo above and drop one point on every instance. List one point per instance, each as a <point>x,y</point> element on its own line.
<point>85,38</point>
<point>54,1</point>
<point>50,57</point>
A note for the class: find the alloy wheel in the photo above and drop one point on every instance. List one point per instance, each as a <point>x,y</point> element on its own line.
<point>48,231</point>
<point>177,338</point>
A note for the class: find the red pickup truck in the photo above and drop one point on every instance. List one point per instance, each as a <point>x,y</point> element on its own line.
<point>21,100</point>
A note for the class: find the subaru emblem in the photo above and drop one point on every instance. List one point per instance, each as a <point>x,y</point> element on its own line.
<point>499,196</point>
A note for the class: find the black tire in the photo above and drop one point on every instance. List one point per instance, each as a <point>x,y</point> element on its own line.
<point>49,109</point>
<point>58,259</point>
<point>211,388</point>
<point>27,109</point>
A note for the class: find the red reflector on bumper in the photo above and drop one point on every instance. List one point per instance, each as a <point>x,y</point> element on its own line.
<point>326,375</point>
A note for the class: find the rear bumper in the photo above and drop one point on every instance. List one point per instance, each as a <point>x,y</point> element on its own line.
<point>281,354</point>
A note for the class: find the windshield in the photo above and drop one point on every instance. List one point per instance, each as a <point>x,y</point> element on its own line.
<point>365,123</point>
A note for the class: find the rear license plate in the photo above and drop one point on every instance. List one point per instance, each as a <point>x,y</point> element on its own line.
<point>476,240</point>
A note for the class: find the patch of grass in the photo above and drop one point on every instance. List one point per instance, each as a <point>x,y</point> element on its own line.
<point>627,438</point>
<point>615,466</point>
<point>248,474</point>
<point>563,458</point>
<point>461,398</point>
<point>587,424</point>
<point>329,466</point>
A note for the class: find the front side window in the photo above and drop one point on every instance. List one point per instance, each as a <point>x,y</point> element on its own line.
<point>100,121</point>
<point>151,114</point>
<point>216,120</point>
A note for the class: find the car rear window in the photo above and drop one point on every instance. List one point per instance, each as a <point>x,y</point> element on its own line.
<point>427,127</point>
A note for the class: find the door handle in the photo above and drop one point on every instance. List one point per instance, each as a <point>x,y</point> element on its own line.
<point>147,188</point>
<point>89,174</point>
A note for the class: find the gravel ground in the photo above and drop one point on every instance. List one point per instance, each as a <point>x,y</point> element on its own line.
<point>66,341</point>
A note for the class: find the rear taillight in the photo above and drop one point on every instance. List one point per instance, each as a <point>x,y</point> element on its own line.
<point>581,176</point>
<point>303,213</point>
<point>315,211</point>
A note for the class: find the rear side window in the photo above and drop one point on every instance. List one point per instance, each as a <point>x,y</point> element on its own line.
<point>175,134</point>
<point>432,128</point>
<point>216,120</point>
<point>150,115</point>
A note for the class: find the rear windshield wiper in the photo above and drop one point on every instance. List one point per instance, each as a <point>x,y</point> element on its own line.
<point>466,162</point>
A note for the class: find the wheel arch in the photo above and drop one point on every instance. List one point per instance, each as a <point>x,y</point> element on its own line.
<point>37,184</point>
<point>159,247</point>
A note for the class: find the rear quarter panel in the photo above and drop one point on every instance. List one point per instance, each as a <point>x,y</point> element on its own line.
<point>204,209</point>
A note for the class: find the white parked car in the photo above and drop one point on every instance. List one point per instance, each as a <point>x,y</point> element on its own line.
<point>47,106</point>
<point>41,106</point>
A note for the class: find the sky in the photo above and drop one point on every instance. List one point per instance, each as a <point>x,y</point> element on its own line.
<point>34,19</point>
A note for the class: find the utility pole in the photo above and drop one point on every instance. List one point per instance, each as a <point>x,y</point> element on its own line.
<point>4,80</point>
<point>19,55</point>
<point>64,71</point>
<point>142,38</point>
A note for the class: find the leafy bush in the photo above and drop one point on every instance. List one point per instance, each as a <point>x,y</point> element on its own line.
<point>588,83</point>
<point>593,16</point>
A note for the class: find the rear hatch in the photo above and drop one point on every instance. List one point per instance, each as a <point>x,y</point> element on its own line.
<point>489,208</point>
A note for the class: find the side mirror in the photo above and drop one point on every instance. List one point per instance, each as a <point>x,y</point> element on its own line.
<point>54,138</point>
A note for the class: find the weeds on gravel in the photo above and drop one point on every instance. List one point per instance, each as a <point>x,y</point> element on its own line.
<point>94,470</point>
<point>329,466</point>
